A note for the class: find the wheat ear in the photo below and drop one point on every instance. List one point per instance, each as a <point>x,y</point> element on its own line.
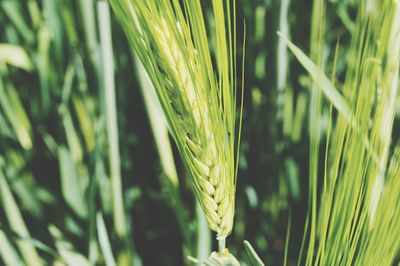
<point>197,96</point>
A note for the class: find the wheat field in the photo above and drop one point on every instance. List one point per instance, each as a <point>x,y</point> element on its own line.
<point>199,132</point>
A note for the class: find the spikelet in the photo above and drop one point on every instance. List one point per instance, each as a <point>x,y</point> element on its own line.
<point>197,95</point>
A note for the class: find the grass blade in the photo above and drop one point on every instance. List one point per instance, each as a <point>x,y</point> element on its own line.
<point>7,252</point>
<point>16,222</point>
<point>70,183</point>
<point>104,240</point>
<point>254,258</point>
<point>15,55</point>
<point>321,80</point>
<point>111,117</point>
<point>12,106</point>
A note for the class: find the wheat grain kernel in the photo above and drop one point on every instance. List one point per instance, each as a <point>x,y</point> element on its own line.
<point>223,206</point>
<point>206,186</point>
<point>215,175</point>
<point>209,202</point>
<point>202,168</point>
<point>219,192</point>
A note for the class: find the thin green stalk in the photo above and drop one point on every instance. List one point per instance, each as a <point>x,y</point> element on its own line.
<point>285,256</point>
<point>315,125</point>
<point>221,245</point>
<point>104,241</point>
<point>203,235</point>
<point>43,65</point>
<point>108,86</point>
<point>158,125</point>
<point>89,26</point>
<point>159,129</point>
<point>282,58</point>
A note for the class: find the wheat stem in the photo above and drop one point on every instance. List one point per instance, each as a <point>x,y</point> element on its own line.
<point>111,118</point>
<point>221,245</point>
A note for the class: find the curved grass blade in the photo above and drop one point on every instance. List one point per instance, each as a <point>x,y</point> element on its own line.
<point>254,258</point>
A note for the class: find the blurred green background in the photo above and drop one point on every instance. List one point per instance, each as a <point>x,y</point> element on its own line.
<point>65,143</point>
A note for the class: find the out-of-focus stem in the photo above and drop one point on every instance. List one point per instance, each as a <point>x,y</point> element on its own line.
<point>111,117</point>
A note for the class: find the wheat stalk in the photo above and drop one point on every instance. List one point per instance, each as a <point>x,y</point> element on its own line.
<point>197,96</point>
<point>358,221</point>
